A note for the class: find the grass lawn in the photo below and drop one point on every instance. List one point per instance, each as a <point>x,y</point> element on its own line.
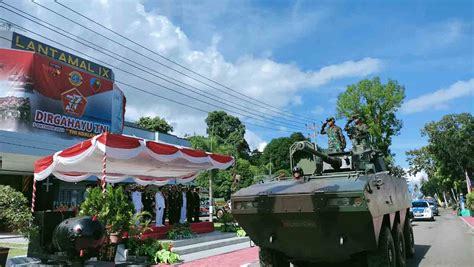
<point>15,249</point>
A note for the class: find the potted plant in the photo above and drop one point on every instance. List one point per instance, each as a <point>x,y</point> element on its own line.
<point>113,208</point>
<point>15,212</point>
<point>166,255</point>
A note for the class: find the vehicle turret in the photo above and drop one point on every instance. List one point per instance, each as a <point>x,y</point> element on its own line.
<point>315,162</point>
<point>335,162</point>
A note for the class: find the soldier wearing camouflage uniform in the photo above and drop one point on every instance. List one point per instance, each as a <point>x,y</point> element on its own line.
<point>336,140</point>
<point>358,132</point>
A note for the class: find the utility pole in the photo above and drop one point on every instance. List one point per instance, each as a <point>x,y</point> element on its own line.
<point>211,174</point>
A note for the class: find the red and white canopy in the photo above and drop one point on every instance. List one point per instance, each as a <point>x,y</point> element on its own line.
<point>118,157</point>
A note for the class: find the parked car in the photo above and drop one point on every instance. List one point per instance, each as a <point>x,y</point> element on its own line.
<point>421,210</point>
<point>434,207</point>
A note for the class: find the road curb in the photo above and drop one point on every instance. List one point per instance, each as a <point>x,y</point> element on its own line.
<point>467,223</point>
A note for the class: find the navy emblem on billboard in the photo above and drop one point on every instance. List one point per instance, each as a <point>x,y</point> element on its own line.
<point>74,102</point>
<point>75,78</point>
<point>95,84</point>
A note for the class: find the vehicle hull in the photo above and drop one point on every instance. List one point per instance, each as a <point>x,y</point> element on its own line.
<point>308,221</point>
<point>312,236</point>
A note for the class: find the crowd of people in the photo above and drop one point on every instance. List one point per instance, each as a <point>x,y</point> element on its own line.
<point>177,203</point>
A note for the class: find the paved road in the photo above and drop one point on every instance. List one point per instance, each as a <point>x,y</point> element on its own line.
<point>446,242</point>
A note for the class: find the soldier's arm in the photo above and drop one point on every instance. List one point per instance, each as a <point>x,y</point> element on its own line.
<point>341,138</point>
<point>323,128</point>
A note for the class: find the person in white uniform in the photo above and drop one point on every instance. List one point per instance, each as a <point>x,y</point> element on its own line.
<point>160,207</point>
<point>182,219</point>
<point>137,201</point>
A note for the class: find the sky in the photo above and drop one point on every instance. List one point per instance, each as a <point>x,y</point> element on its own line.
<point>295,56</point>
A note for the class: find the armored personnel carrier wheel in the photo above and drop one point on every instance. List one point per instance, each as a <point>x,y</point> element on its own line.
<point>386,253</point>
<point>409,239</point>
<point>400,246</point>
<point>271,258</point>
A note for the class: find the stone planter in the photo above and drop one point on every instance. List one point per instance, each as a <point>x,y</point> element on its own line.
<point>137,259</point>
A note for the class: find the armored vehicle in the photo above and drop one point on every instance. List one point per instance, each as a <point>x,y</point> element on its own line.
<point>337,207</point>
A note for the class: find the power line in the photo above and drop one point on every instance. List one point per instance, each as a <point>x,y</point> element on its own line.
<point>286,121</point>
<point>258,102</point>
<point>294,126</point>
<point>145,79</point>
<point>196,108</point>
<point>136,88</point>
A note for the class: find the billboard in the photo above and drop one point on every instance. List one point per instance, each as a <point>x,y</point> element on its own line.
<point>46,90</point>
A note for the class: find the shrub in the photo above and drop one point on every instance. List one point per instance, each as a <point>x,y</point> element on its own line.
<point>470,201</point>
<point>156,251</point>
<point>15,211</point>
<point>227,218</point>
<point>180,231</point>
<point>241,232</point>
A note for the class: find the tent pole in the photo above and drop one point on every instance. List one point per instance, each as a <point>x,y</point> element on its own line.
<point>104,171</point>
<point>211,174</point>
<point>33,196</point>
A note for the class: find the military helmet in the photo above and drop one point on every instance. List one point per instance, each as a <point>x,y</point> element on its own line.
<point>297,172</point>
<point>330,119</point>
<point>297,169</point>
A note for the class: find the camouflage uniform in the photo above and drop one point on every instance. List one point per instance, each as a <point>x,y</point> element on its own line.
<point>358,133</point>
<point>336,140</point>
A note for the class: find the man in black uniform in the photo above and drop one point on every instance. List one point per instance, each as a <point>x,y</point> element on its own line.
<point>189,205</point>
<point>178,203</point>
<point>172,205</point>
<point>165,211</point>
<point>197,204</point>
<point>147,200</point>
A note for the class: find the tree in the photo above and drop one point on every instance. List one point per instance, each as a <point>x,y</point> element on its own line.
<point>155,124</point>
<point>227,130</point>
<point>421,160</point>
<point>277,152</point>
<point>255,157</point>
<point>376,104</point>
<point>429,187</point>
<point>451,144</point>
<point>448,155</point>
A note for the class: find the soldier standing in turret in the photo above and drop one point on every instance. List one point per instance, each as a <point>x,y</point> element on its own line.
<point>336,140</point>
<point>358,132</point>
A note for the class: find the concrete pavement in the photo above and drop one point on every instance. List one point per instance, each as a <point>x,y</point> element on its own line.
<point>448,241</point>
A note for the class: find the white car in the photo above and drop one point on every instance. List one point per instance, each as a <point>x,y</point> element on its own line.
<point>421,210</point>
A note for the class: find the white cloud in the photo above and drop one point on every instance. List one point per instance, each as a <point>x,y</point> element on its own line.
<point>276,83</point>
<point>439,99</point>
<point>246,27</point>
<point>416,179</point>
<point>262,146</point>
<point>318,110</point>
<point>255,141</point>
<point>445,33</point>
